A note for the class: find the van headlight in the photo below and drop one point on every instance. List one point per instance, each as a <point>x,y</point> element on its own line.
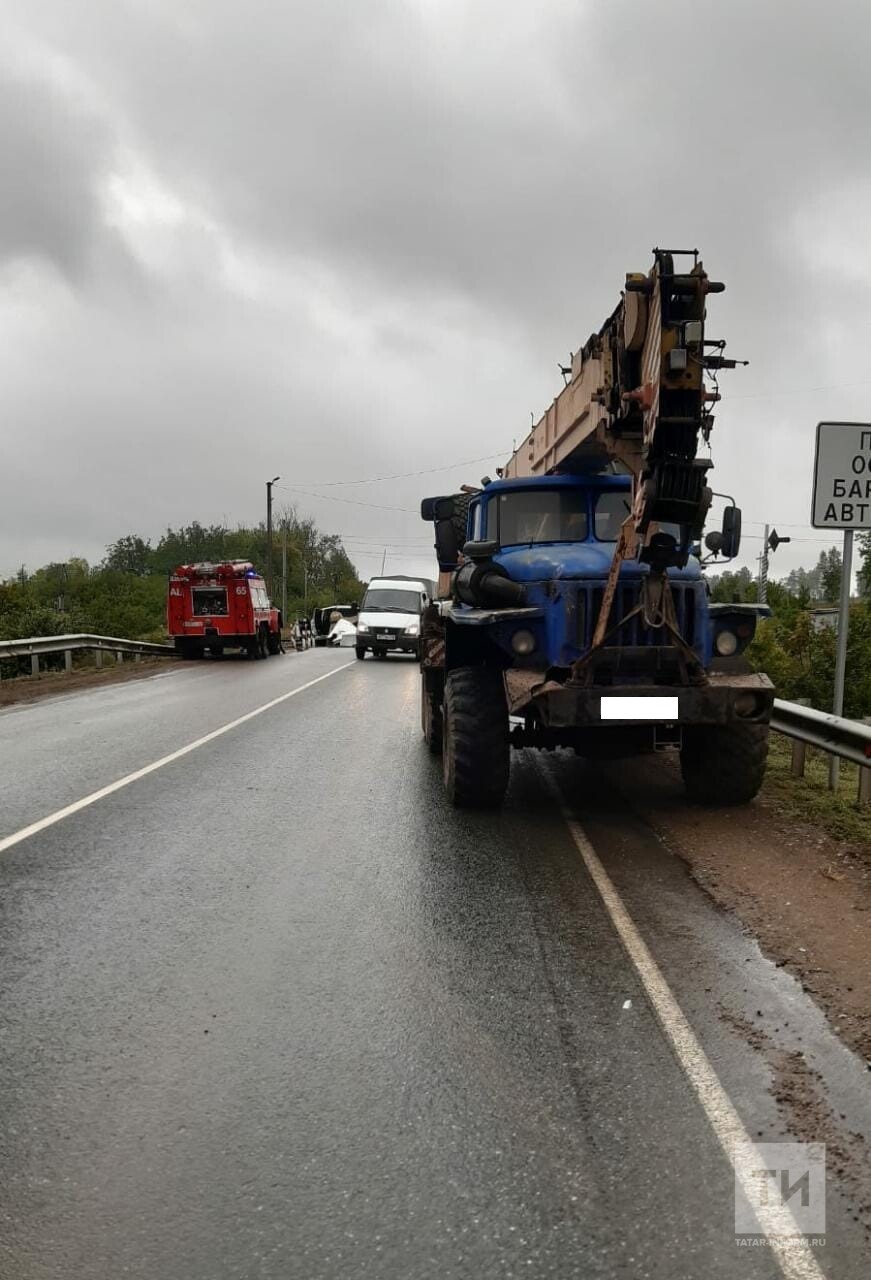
<point>361,626</point>
<point>726,642</point>
<point>413,630</point>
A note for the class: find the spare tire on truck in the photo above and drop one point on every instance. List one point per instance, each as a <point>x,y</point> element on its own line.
<point>460,518</point>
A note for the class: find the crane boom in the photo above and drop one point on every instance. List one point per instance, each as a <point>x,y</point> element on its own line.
<point>638,397</point>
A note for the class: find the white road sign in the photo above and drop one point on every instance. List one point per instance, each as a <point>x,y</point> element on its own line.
<point>842,476</point>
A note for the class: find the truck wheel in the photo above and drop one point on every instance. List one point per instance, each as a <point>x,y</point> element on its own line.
<point>263,643</point>
<point>724,764</point>
<point>360,651</point>
<point>430,718</point>
<point>273,642</point>
<point>475,752</point>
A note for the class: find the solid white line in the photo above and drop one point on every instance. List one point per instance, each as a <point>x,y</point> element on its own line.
<point>794,1256</point>
<point>8,841</point>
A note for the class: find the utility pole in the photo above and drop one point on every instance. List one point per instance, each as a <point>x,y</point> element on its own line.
<point>284,572</point>
<point>763,570</point>
<point>269,484</point>
<point>771,542</point>
<point>383,562</point>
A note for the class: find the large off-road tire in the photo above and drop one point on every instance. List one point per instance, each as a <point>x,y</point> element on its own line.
<point>431,718</point>
<point>475,747</point>
<point>273,642</point>
<point>460,518</point>
<point>724,764</point>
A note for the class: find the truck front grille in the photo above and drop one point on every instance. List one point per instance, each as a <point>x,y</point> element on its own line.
<point>634,633</point>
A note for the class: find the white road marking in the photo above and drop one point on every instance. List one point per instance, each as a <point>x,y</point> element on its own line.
<point>794,1256</point>
<point>8,841</point>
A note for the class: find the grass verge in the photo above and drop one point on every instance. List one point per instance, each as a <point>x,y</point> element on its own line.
<point>809,798</point>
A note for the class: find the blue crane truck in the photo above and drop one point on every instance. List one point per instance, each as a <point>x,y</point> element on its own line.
<point>573,609</point>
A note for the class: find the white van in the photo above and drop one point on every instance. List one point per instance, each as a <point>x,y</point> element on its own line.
<point>389,617</point>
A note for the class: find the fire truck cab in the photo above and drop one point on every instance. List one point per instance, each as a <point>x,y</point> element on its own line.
<point>221,606</point>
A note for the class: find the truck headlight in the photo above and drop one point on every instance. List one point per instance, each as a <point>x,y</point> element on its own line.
<point>361,626</point>
<point>523,642</point>
<point>726,642</point>
<point>413,630</point>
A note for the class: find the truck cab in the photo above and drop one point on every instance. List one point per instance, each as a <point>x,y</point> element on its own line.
<point>511,659</point>
<point>556,535</point>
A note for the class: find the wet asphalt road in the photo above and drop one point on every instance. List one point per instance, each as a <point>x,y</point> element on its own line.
<point>274,1010</point>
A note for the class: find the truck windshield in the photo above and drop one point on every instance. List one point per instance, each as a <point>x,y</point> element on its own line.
<point>391,600</point>
<point>209,601</point>
<point>612,508</point>
<point>542,515</point>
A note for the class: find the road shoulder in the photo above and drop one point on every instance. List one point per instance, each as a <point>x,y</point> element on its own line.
<point>804,894</point>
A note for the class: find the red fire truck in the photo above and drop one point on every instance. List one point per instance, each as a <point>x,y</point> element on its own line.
<point>221,606</point>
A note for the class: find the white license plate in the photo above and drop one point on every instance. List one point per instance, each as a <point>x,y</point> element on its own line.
<point>640,708</point>
<point>381,636</point>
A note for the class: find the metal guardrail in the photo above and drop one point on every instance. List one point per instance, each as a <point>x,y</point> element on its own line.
<point>836,735</point>
<point>849,739</point>
<point>36,646</point>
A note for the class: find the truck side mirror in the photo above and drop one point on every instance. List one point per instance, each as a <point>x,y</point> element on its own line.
<point>436,509</point>
<point>731,533</point>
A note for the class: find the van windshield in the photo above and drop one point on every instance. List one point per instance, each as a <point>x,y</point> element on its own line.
<point>391,600</point>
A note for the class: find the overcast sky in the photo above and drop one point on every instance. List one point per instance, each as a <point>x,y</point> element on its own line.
<point>338,240</point>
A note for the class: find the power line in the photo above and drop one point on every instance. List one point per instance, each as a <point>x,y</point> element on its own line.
<point>800,391</point>
<point>405,475</point>
<point>354,502</point>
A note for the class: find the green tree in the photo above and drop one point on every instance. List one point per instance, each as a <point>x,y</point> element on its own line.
<point>733,587</point>
<point>830,566</point>
<point>130,554</point>
<point>864,574</point>
<point>126,595</point>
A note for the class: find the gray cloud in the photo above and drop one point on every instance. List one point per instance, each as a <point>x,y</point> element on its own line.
<point>335,240</point>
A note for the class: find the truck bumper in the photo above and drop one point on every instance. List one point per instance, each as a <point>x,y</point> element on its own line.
<point>723,699</point>
<point>213,640</point>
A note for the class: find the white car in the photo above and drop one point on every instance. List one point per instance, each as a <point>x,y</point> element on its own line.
<point>342,633</point>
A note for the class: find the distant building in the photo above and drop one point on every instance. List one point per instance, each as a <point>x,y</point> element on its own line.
<point>824,616</point>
